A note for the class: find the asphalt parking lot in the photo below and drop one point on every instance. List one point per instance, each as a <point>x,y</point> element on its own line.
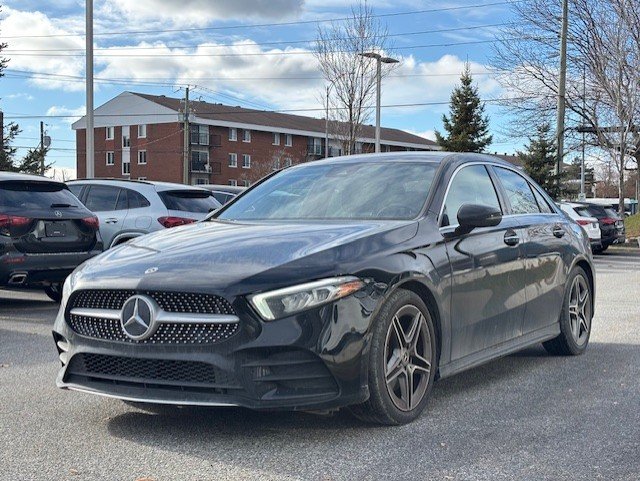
<point>526,416</point>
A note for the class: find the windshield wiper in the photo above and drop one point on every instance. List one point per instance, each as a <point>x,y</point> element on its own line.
<point>61,206</point>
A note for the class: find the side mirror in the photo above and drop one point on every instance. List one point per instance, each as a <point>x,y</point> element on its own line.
<point>471,216</point>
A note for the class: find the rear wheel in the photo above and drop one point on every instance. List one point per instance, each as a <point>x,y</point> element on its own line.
<point>576,316</point>
<point>402,362</point>
<point>54,291</point>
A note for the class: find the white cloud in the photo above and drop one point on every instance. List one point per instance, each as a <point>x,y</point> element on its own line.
<point>200,12</point>
<point>21,95</point>
<point>74,114</point>
<point>427,134</point>
<point>21,51</point>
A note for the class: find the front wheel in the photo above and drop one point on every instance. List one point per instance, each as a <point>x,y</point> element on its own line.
<point>54,291</point>
<point>402,362</point>
<point>576,316</point>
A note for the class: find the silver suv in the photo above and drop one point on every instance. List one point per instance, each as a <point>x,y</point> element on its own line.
<point>131,208</point>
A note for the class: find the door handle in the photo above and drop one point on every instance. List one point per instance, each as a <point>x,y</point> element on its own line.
<point>558,231</point>
<point>511,238</point>
<point>111,220</point>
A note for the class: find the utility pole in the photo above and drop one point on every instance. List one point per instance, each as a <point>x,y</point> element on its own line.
<point>584,103</point>
<point>41,148</point>
<point>185,160</point>
<point>89,91</point>
<point>562,85</point>
<point>326,126</point>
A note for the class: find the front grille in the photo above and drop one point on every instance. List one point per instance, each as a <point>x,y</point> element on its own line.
<point>167,333</point>
<point>160,372</point>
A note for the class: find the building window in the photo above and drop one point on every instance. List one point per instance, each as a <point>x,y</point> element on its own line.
<point>110,158</point>
<point>246,183</point>
<point>142,131</point>
<point>315,146</point>
<point>287,163</point>
<point>233,182</point>
<point>276,138</point>
<point>110,133</point>
<point>126,141</point>
<point>233,160</point>
<point>288,140</point>
<point>246,135</point>
<point>246,161</point>
<point>142,178</point>
<point>201,181</point>
<point>142,157</point>
<point>233,134</point>
<point>126,168</point>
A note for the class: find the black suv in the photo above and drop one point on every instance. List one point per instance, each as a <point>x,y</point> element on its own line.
<point>611,225</point>
<point>45,233</point>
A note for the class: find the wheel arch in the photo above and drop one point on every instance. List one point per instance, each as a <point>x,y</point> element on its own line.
<point>588,269</point>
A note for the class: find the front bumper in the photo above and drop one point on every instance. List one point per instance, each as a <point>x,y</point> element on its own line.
<point>314,360</point>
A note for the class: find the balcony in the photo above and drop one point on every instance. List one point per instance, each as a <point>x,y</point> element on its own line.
<point>200,166</point>
<point>199,138</point>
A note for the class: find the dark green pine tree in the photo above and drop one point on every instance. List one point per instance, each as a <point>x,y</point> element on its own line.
<point>32,164</point>
<point>467,127</point>
<point>539,161</point>
<point>7,152</point>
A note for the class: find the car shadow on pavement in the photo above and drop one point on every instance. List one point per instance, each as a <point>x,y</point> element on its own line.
<point>514,397</point>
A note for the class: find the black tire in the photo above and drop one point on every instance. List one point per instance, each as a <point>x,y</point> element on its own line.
<point>575,323</point>
<point>604,248</point>
<point>382,407</point>
<point>54,291</point>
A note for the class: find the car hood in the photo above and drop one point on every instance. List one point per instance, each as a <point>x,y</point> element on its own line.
<point>237,258</point>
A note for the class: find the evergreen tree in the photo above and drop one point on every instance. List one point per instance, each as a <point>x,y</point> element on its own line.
<point>467,126</point>
<point>9,131</point>
<point>31,163</point>
<point>539,161</point>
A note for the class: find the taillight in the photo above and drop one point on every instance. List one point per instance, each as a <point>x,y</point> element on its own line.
<point>91,222</point>
<point>608,221</point>
<point>583,222</point>
<point>171,221</point>
<point>8,222</point>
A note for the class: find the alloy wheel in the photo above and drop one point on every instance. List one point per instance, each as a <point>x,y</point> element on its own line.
<point>408,358</point>
<point>579,310</point>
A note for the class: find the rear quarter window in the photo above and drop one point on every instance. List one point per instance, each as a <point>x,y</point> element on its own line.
<point>189,201</point>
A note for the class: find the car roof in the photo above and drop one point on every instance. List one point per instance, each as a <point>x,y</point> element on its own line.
<point>438,157</point>
<point>158,186</point>
<point>228,189</point>
<point>15,176</point>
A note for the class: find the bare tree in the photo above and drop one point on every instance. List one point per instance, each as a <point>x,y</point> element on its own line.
<point>603,62</point>
<point>351,77</point>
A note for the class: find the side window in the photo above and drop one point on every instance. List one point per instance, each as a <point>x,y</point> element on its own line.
<point>123,203</point>
<point>471,185</point>
<point>542,203</point>
<point>102,198</point>
<point>137,200</point>
<point>518,192</point>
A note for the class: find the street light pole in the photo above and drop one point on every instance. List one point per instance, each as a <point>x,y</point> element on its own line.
<point>562,85</point>
<point>326,125</point>
<point>379,61</point>
<point>89,91</point>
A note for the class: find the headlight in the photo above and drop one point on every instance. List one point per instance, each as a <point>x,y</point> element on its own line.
<point>283,302</point>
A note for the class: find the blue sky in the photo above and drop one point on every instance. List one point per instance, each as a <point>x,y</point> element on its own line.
<point>197,47</point>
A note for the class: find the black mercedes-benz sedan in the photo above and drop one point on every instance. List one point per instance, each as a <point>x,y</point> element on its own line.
<point>355,281</point>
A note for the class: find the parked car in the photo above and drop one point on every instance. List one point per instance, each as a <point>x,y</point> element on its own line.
<point>45,233</point>
<point>611,226</point>
<point>224,193</point>
<point>589,224</point>
<point>343,282</point>
<point>131,208</point>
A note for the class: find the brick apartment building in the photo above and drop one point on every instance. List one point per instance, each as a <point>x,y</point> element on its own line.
<point>141,136</point>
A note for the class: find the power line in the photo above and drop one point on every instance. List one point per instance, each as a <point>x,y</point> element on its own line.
<point>17,116</point>
<point>253,44</point>
<point>277,54</point>
<point>277,24</point>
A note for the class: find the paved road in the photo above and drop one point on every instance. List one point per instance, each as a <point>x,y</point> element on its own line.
<point>527,416</point>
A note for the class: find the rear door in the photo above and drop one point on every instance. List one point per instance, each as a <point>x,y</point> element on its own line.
<point>544,246</point>
<point>44,217</point>
<point>111,208</point>
<point>487,298</point>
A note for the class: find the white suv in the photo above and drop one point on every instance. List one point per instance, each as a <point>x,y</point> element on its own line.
<point>589,224</point>
<point>131,208</point>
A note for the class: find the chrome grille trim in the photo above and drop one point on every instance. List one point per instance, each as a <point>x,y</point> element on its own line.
<point>162,317</point>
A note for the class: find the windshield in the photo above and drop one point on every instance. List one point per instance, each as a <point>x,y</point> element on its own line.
<point>367,190</point>
<point>189,201</point>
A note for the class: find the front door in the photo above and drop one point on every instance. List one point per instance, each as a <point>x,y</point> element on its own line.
<point>104,201</point>
<point>487,269</point>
